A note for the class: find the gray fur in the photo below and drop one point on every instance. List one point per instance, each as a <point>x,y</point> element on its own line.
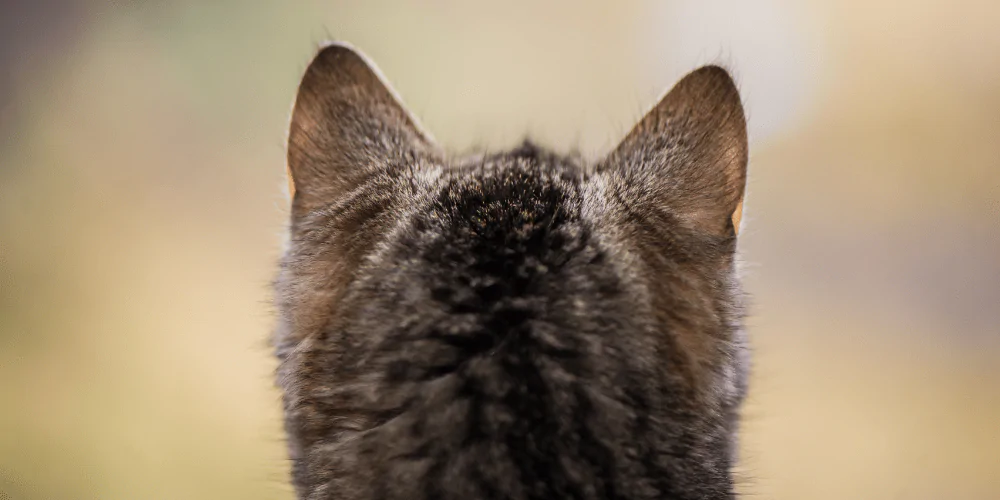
<point>520,325</point>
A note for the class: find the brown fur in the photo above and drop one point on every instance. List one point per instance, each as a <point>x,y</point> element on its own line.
<point>521,325</point>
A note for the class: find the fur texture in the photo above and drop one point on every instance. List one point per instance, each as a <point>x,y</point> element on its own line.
<point>514,326</point>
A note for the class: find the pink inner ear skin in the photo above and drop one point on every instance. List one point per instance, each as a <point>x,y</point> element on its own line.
<point>737,216</point>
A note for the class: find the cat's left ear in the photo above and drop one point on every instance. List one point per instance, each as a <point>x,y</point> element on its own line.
<point>347,125</point>
<point>688,155</point>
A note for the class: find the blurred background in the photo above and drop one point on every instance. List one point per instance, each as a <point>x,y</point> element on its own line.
<point>142,204</point>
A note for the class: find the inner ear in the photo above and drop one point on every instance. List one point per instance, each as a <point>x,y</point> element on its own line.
<point>738,216</point>
<point>690,152</point>
<point>347,125</point>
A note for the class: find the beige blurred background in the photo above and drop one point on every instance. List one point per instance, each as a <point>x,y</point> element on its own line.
<point>142,201</point>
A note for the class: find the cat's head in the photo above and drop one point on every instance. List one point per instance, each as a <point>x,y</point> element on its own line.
<point>522,322</point>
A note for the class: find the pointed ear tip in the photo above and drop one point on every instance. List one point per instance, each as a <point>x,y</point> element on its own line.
<point>714,84</point>
<point>334,54</point>
<point>714,70</point>
<point>718,76</point>
<point>334,48</point>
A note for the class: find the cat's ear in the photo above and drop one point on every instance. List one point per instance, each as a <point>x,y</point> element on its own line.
<point>690,152</point>
<point>347,124</point>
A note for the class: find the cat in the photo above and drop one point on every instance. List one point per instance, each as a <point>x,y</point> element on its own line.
<point>517,325</point>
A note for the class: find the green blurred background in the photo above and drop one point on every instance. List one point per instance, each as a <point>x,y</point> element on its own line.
<point>142,204</point>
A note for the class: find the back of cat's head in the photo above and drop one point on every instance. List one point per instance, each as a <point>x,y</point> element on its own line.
<point>517,326</point>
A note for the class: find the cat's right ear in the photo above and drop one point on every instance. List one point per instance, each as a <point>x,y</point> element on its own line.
<point>347,125</point>
<point>688,155</point>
